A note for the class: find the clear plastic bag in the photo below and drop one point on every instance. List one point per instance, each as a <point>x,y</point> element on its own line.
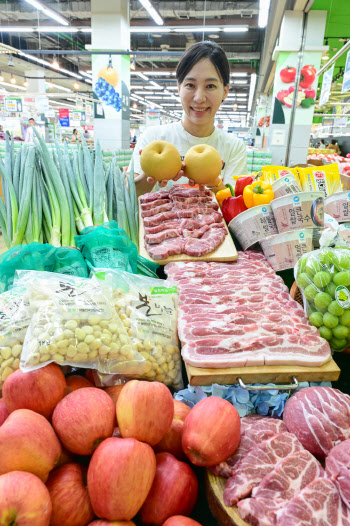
<point>148,308</point>
<point>323,277</point>
<point>15,315</point>
<point>74,323</point>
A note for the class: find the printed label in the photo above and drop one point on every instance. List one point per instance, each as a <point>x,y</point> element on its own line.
<point>163,290</point>
<point>321,182</point>
<point>342,296</point>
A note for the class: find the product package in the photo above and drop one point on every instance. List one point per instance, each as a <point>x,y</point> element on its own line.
<point>334,234</point>
<point>148,308</point>
<point>323,277</point>
<point>320,178</point>
<point>273,173</point>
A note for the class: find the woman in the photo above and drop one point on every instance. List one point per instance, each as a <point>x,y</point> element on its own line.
<point>203,77</point>
<point>333,145</point>
<point>322,145</point>
<point>74,137</point>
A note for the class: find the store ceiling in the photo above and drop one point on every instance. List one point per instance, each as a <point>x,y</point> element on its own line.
<point>243,49</point>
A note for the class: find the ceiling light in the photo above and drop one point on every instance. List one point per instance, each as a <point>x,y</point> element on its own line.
<point>88,81</point>
<point>172,87</point>
<point>264,6</point>
<point>63,88</point>
<point>76,85</point>
<point>12,86</point>
<point>56,29</point>
<point>134,105</point>
<point>26,83</point>
<point>16,29</point>
<point>156,73</point>
<point>85,29</point>
<point>133,64</point>
<point>151,10</point>
<point>238,74</point>
<point>13,80</point>
<point>195,29</point>
<point>214,35</point>
<point>240,82</point>
<point>142,76</point>
<point>155,84</point>
<point>235,29</point>
<point>325,57</point>
<point>153,87</point>
<point>85,73</point>
<point>142,93</point>
<point>149,29</point>
<point>48,11</point>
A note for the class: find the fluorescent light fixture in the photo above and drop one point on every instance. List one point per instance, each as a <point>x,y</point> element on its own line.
<point>158,86</point>
<point>63,88</point>
<point>133,63</point>
<point>195,29</point>
<point>156,73</point>
<point>47,64</point>
<point>149,29</point>
<point>56,29</point>
<point>135,109</point>
<point>16,29</point>
<point>251,90</point>
<point>240,82</point>
<point>12,86</point>
<point>63,104</point>
<point>324,58</point>
<point>156,97</point>
<point>142,76</point>
<point>85,73</point>
<point>239,74</point>
<point>142,93</point>
<point>48,11</point>
<point>264,6</point>
<point>88,81</point>
<point>153,87</point>
<point>235,29</point>
<point>85,29</point>
<point>152,11</point>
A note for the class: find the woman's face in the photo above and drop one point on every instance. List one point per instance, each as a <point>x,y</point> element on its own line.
<point>202,92</point>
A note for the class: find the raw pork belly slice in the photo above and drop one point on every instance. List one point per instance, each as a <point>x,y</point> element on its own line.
<point>319,417</point>
<point>175,223</point>
<point>190,200</point>
<point>318,504</point>
<point>161,194</point>
<point>206,219</point>
<point>253,432</point>
<point>183,191</point>
<point>169,247</point>
<point>258,463</point>
<point>157,210</point>
<point>209,242</point>
<point>159,218</point>
<point>289,477</point>
<point>152,204</point>
<point>193,212</point>
<point>338,469</point>
<point>199,233</point>
<point>152,239</point>
<point>198,206</point>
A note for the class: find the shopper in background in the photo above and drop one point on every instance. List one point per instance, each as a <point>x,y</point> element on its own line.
<point>74,136</point>
<point>333,145</point>
<point>203,77</point>
<point>30,132</point>
<point>86,134</point>
<point>322,145</point>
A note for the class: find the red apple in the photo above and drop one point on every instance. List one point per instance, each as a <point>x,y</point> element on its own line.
<point>114,523</point>
<point>90,375</point>
<point>120,475</point>
<point>181,410</point>
<point>69,496</point>
<point>75,382</point>
<point>114,391</point>
<point>145,411</point>
<point>4,413</point>
<point>180,520</point>
<point>24,500</point>
<point>174,491</point>
<point>28,443</point>
<point>172,440</point>
<point>39,390</point>
<point>211,432</point>
<point>83,419</point>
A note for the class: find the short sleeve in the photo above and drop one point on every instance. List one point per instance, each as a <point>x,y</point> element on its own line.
<point>145,138</point>
<point>237,163</point>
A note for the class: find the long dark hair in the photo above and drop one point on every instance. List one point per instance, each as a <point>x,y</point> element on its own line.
<point>205,49</point>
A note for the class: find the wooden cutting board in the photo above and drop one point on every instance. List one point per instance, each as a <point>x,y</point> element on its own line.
<point>226,251</point>
<point>263,374</point>
<point>214,489</point>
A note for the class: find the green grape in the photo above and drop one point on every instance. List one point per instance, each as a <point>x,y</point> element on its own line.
<point>330,289</point>
<point>322,300</point>
<point>325,332</point>
<point>335,308</point>
<point>310,292</point>
<point>321,279</point>
<point>326,257</point>
<point>345,319</point>
<point>343,261</point>
<point>316,319</point>
<point>337,345</point>
<point>301,264</point>
<point>312,267</point>
<point>330,321</point>
<point>303,280</point>
<point>340,332</point>
<point>342,278</point>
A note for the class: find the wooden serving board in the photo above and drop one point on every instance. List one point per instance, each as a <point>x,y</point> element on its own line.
<point>226,251</point>
<point>263,374</point>
<point>214,489</point>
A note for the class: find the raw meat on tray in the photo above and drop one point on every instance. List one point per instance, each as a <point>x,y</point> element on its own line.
<point>241,314</point>
<point>181,221</point>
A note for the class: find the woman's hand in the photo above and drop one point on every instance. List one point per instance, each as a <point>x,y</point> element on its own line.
<point>164,182</point>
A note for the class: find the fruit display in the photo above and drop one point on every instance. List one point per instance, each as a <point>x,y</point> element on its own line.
<point>99,478</point>
<point>324,278</point>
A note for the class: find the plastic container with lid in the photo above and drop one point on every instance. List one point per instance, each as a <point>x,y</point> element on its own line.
<point>338,206</point>
<point>301,210</point>
<point>282,251</point>
<point>253,224</point>
<point>285,185</point>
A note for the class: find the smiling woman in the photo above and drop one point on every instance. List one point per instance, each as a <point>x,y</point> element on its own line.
<point>203,75</point>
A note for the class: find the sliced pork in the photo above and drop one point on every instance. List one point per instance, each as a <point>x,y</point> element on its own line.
<point>338,469</point>
<point>169,247</point>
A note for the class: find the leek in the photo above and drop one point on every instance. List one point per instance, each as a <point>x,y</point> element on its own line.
<point>99,186</point>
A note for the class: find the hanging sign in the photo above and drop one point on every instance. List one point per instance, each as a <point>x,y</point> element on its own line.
<point>89,108</point>
<point>76,116</point>
<point>63,115</point>
<point>346,79</point>
<point>326,86</point>
<point>83,116</point>
<point>13,104</point>
<point>79,104</point>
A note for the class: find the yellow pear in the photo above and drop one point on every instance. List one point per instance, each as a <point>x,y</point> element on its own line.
<point>160,160</point>
<point>203,164</point>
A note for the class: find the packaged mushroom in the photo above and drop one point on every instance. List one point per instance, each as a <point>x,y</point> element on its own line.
<point>74,323</point>
<point>148,309</point>
<point>15,316</point>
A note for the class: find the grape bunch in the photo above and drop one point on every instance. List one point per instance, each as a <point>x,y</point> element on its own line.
<point>107,94</point>
<point>324,278</point>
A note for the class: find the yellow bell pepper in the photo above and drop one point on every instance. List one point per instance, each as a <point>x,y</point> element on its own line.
<point>258,193</point>
<point>224,194</point>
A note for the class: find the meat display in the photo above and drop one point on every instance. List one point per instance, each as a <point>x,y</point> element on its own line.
<point>181,221</point>
<point>275,490</point>
<point>256,464</point>
<point>319,417</point>
<point>240,314</point>
<point>338,469</point>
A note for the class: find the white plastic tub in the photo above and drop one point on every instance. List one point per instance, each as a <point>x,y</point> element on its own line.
<point>253,224</point>
<point>302,210</point>
<point>282,251</point>
<point>285,185</point>
<point>338,206</point>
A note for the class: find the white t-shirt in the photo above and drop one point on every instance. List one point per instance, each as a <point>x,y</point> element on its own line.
<point>29,135</point>
<point>232,150</point>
